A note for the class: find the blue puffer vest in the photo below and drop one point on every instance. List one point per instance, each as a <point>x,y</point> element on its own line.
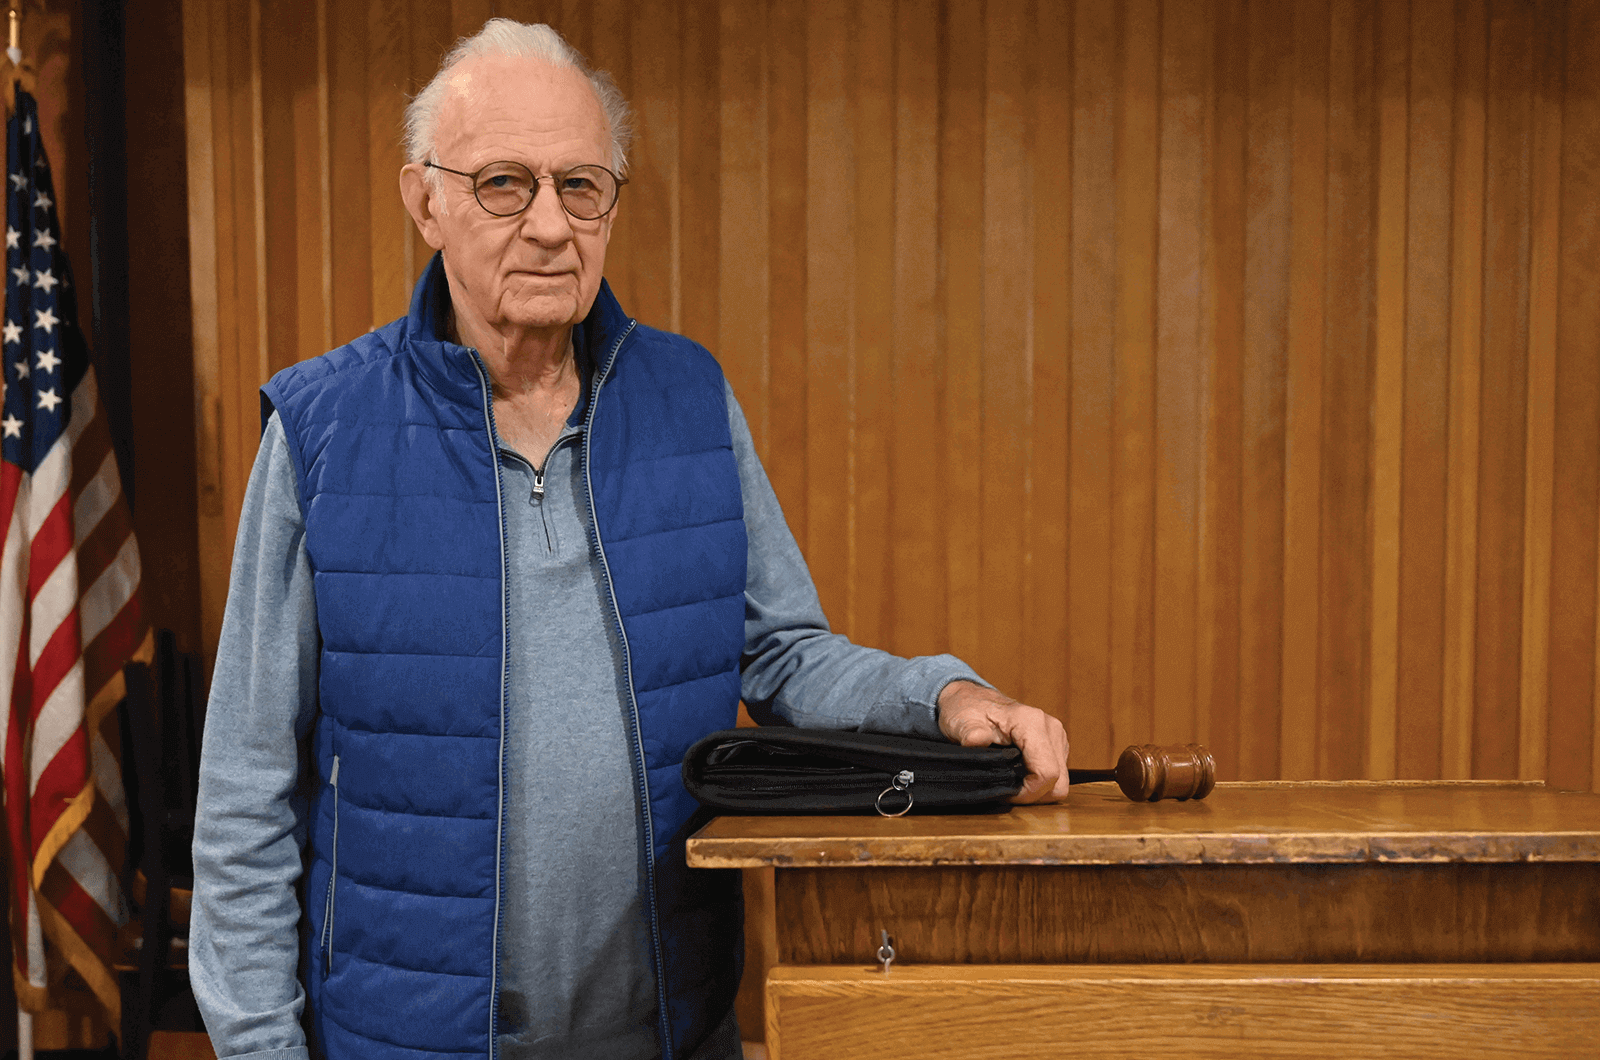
<point>391,437</point>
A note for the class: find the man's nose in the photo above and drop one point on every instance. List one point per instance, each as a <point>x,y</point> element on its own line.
<point>546,221</point>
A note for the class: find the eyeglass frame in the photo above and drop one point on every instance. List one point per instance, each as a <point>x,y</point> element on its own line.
<point>538,179</point>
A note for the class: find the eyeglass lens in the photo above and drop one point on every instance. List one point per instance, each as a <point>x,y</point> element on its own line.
<point>505,188</point>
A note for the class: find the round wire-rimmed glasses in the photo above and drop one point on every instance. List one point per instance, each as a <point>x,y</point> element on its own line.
<point>505,189</point>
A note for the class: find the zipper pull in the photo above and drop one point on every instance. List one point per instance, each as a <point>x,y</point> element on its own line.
<point>538,483</point>
<point>902,783</point>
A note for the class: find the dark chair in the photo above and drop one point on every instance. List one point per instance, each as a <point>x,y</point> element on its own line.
<point>162,721</point>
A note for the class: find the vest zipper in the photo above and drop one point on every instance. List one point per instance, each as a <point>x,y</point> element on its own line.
<point>505,664</point>
<point>641,776</point>
<point>333,876</point>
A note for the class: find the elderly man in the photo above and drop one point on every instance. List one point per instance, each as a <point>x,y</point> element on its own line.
<point>501,562</point>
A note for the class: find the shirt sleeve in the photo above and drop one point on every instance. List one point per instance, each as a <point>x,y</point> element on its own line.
<point>795,670</point>
<point>250,825</point>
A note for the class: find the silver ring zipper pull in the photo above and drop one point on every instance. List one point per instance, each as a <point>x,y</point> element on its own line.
<point>902,782</point>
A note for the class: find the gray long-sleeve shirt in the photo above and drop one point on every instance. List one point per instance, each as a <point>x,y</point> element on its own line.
<point>576,979</point>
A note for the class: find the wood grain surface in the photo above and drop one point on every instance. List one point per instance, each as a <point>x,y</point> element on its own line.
<point>1080,914</point>
<point>1239,823</point>
<point>1219,370</point>
<point>1473,1012</point>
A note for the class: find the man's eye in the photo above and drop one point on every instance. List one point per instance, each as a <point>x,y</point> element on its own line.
<point>579,184</point>
<point>501,181</point>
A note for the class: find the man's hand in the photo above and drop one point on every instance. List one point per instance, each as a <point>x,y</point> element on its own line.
<point>974,716</point>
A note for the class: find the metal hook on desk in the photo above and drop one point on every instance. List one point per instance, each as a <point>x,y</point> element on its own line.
<point>886,951</point>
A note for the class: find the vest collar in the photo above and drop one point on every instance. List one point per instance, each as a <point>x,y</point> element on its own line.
<point>450,368</point>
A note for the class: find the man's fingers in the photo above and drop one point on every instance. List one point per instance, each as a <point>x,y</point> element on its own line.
<point>1043,742</point>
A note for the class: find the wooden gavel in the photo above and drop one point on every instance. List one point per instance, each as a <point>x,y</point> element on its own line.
<point>1146,772</point>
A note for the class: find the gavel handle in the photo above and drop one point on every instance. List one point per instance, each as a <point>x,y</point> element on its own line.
<point>1085,776</point>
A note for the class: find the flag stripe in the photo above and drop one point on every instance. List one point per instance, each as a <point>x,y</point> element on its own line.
<point>13,579</point>
<point>87,865</point>
<point>99,549</point>
<point>105,830</point>
<point>56,657</point>
<point>51,544</point>
<point>53,730</point>
<point>46,486</point>
<point>114,588</point>
<point>96,497</point>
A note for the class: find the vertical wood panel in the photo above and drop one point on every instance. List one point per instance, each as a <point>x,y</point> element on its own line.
<point>1425,445</point>
<point>1343,718</point>
<point>1217,674</point>
<point>654,205</point>
<point>1179,355</point>
<point>699,266</point>
<point>786,44</point>
<point>349,166</point>
<point>961,193</point>
<point>874,195</point>
<point>1388,384</point>
<point>284,168</point>
<point>830,303</point>
<point>1224,369</point>
<point>1539,467</point>
<point>1007,336</point>
<point>1133,400</point>
<point>1045,602</point>
<point>1264,747</point>
<point>1576,513</point>
<point>918,474</point>
<point>1095,53</point>
<point>1495,749</point>
<point>209,250</point>
<point>1466,373</point>
<point>743,246</point>
<point>1302,474</point>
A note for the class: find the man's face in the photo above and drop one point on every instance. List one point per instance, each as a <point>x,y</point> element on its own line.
<point>539,269</point>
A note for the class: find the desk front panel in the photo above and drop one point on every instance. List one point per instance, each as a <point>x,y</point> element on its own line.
<point>1119,914</point>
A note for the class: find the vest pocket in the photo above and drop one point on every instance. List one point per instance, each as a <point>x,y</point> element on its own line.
<point>333,876</point>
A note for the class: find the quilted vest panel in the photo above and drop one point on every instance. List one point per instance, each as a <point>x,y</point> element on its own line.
<point>398,488</point>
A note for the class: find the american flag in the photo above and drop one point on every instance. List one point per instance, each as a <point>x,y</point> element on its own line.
<point>69,611</point>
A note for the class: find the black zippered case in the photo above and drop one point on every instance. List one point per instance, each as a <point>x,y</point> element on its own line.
<point>775,769</point>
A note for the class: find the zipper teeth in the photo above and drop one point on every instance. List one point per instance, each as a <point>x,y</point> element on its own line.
<point>505,664</point>
<point>638,735</point>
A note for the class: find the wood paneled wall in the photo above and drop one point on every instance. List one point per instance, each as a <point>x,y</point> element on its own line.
<point>1198,369</point>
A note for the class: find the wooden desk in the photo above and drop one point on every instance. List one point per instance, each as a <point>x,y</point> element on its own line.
<point>1269,920</point>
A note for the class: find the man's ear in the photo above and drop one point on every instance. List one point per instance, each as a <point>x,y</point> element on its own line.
<point>418,197</point>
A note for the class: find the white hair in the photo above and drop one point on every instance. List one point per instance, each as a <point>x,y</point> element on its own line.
<point>503,37</point>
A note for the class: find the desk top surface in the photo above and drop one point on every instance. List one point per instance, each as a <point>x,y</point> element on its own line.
<point>1239,823</point>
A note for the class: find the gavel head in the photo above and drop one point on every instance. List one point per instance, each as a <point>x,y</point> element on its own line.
<point>1146,772</point>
